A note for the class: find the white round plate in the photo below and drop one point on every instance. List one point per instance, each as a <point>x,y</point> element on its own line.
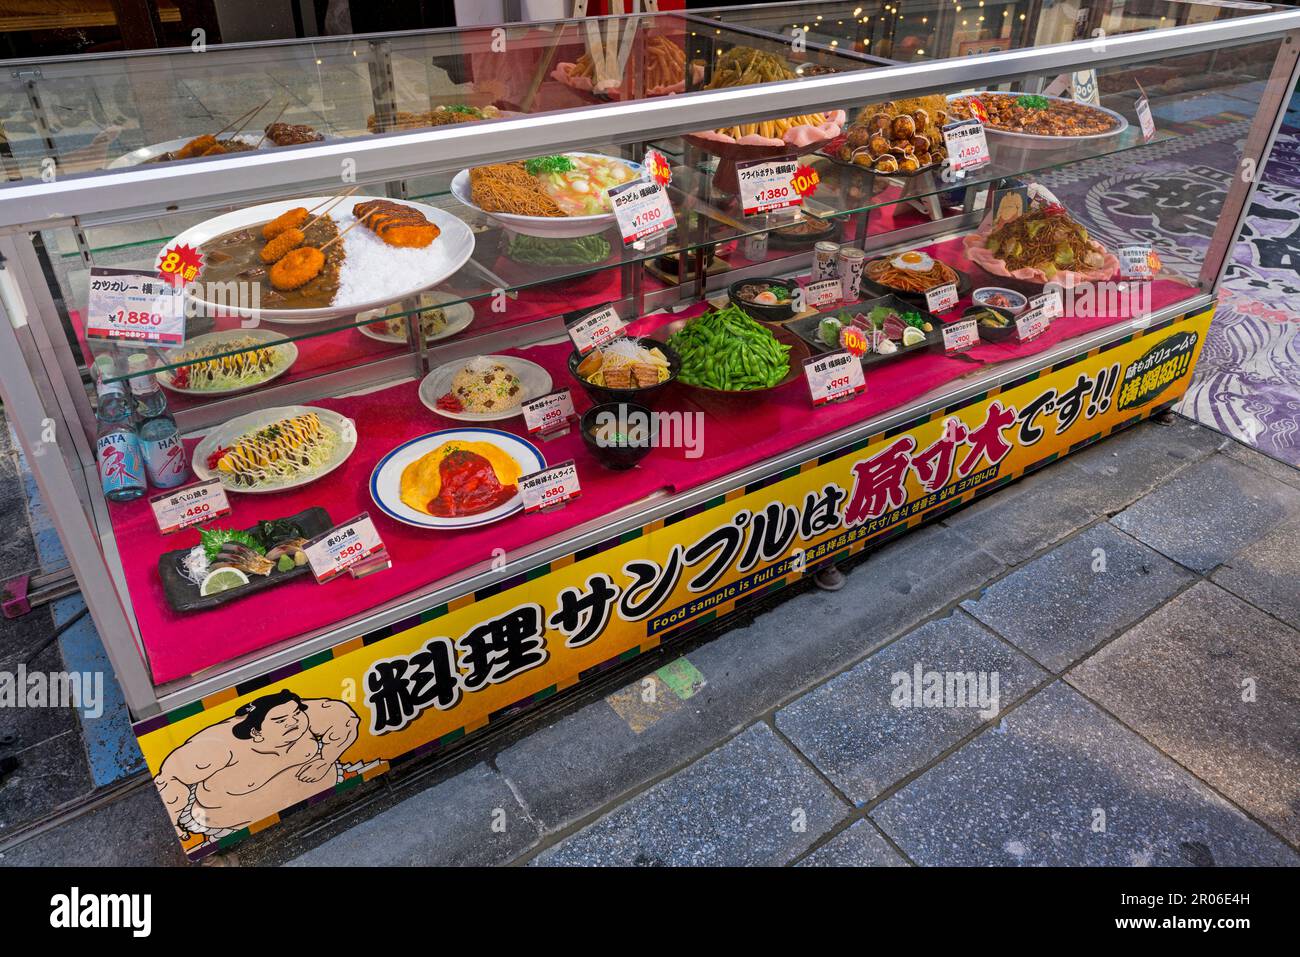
<point>536,382</point>
<point>386,479</point>
<point>227,433</point>
<point>164,376</point>
<point>458,316</point>
<point>146,153</point>
<point>550,227</point>
<point>447,253</point>
<point>1036,141</point>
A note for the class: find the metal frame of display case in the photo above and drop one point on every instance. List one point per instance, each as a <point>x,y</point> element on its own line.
<point>45,392</point>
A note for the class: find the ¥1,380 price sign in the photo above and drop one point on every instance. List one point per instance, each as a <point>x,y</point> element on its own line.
<point>642,209</point>
<point>125,304</point>
<point>188,506</point>
<point>768,185</point>
<point>343,547</point>
<point>834,376</point>
<point>967,146</point>
<point>550,488</point>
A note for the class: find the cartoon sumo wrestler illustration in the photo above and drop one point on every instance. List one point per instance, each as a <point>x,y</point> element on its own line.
<point>275,751</point>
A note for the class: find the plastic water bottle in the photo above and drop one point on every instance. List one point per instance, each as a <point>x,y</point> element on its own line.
<point>117,451</point>
<point>164,453</point>
<point>149,399</point>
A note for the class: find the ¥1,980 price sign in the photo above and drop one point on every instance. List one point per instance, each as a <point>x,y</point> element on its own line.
<point>343,547</point>
<point>967,146</point>
<point>188,506</point>
<point>549,488</point>
<point>642,209</point>
<point>834,376</point>
<point>125,304</point>
<point>595,329</point>
<point>768,185</point>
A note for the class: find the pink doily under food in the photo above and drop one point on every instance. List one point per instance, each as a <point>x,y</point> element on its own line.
<point>978,254</point>
<point>563,73</point>
<point>798,136</point>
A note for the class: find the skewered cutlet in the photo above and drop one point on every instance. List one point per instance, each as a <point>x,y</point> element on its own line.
<point>396,224</point>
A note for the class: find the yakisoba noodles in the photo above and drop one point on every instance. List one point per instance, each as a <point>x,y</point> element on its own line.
<point>887,272</point>
<point>509,188</point>
<point>277,453</point>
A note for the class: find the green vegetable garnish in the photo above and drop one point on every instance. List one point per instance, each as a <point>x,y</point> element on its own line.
<point>1032,102</point>
<point>213,538</point>
<point>548,164</point>
<point>725,349</point>
<point>463,108</point>
<point>285,563</point>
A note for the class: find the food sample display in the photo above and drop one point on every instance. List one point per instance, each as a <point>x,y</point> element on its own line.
<point>900,136</point>
<point>223,363</point>
<point>914,271</point>
<point>743,66</point>
<point>540,251</point>
<point>275,449</point>
<point>568,184</point>
<point>664,72</point>
<point>440,317</point>
<point>1036,115</point>
<point>484,388</point>
<point>625,364</point>
<point>1042,244</point>
<point>727,351</point>
<point>442,115</point>
<point>292,134</point>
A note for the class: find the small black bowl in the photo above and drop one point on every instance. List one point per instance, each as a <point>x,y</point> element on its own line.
<point>990,333</point>
<point>761,311</point>
<point>600,393</point>
<point>617,457</point>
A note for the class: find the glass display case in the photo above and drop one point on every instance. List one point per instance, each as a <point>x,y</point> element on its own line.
<point>404,382</point>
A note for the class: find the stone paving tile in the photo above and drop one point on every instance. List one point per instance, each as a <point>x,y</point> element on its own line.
<point>1209,512</point>
<point>1123,467</point>
<point>751,802</point>
<point>472,819</point>
<point>854,733</point>
<point>1263,463</point>
<point>32,726</point>
<point>859,845</point>
<point>1177,679</point>
<point>585,759</point>
<point>132,831</point>
<point>1266,572</point>
<point>51,773</point>
<point>1058,607</point>
<point>1030,790</point>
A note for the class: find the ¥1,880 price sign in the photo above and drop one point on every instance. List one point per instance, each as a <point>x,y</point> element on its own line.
<point>595,329</point>
<point>834,376</point>
<point>768,185</point>
<point>125,304</point>
<point>188,506</point>
<point>966,144</point>
<point>642,209</point>
<point>550,488</point>
<point>343,547</point>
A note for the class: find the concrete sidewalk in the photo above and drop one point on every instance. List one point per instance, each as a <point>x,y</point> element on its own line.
<point>1136,602</point>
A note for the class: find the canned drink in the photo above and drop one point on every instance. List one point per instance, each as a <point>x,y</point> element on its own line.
<point>849,262</point>
<point>755,249</point>
<point>823,266</point>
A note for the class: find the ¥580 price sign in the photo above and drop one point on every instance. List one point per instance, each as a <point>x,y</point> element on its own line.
<point>342,547</point>
<point>125,304</point>
<point>550,488</point>
<point>768,185</point>
<point>642,209</point>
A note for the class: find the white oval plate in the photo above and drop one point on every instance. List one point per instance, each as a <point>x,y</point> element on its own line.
<point>552,227</point>
<point>1037,141</point>
<point>386,479</point>
<point>536,382</point>
<point>229,432</point>
<point>451,250</point>
<point>458,316</point>
<point>146,153</point>
<point>164,376</point>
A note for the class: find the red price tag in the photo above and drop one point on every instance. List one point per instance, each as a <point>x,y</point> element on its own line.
<point>343,547</point>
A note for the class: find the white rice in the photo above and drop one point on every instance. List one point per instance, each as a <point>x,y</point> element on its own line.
<point>373,270</point>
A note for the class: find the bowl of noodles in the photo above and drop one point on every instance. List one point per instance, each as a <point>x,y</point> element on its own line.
<point>1040,246</point>
<point>912,274</point>
<point>556,197</point>
<point>634,369</point>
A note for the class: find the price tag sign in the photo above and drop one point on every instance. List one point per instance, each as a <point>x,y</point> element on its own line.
<point>550,488</point>
<point>342,547</point>
<point>549,414</point>
<point>768,185</point>
<point>595,329</point>
<point>125,304</point>
<point>1031,323</point>
<point>823,292</point>
<point>1145,119</point>
<point>833,377</point>
<point>642,210</point>
<point>1050,303</point>
<point>1137,262</point>
<point>188,506</point>
<point>960,335</point>
<point>941,298</point>
<point>966,144</point>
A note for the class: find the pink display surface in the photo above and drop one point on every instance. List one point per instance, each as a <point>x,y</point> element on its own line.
<point>737,433</point>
